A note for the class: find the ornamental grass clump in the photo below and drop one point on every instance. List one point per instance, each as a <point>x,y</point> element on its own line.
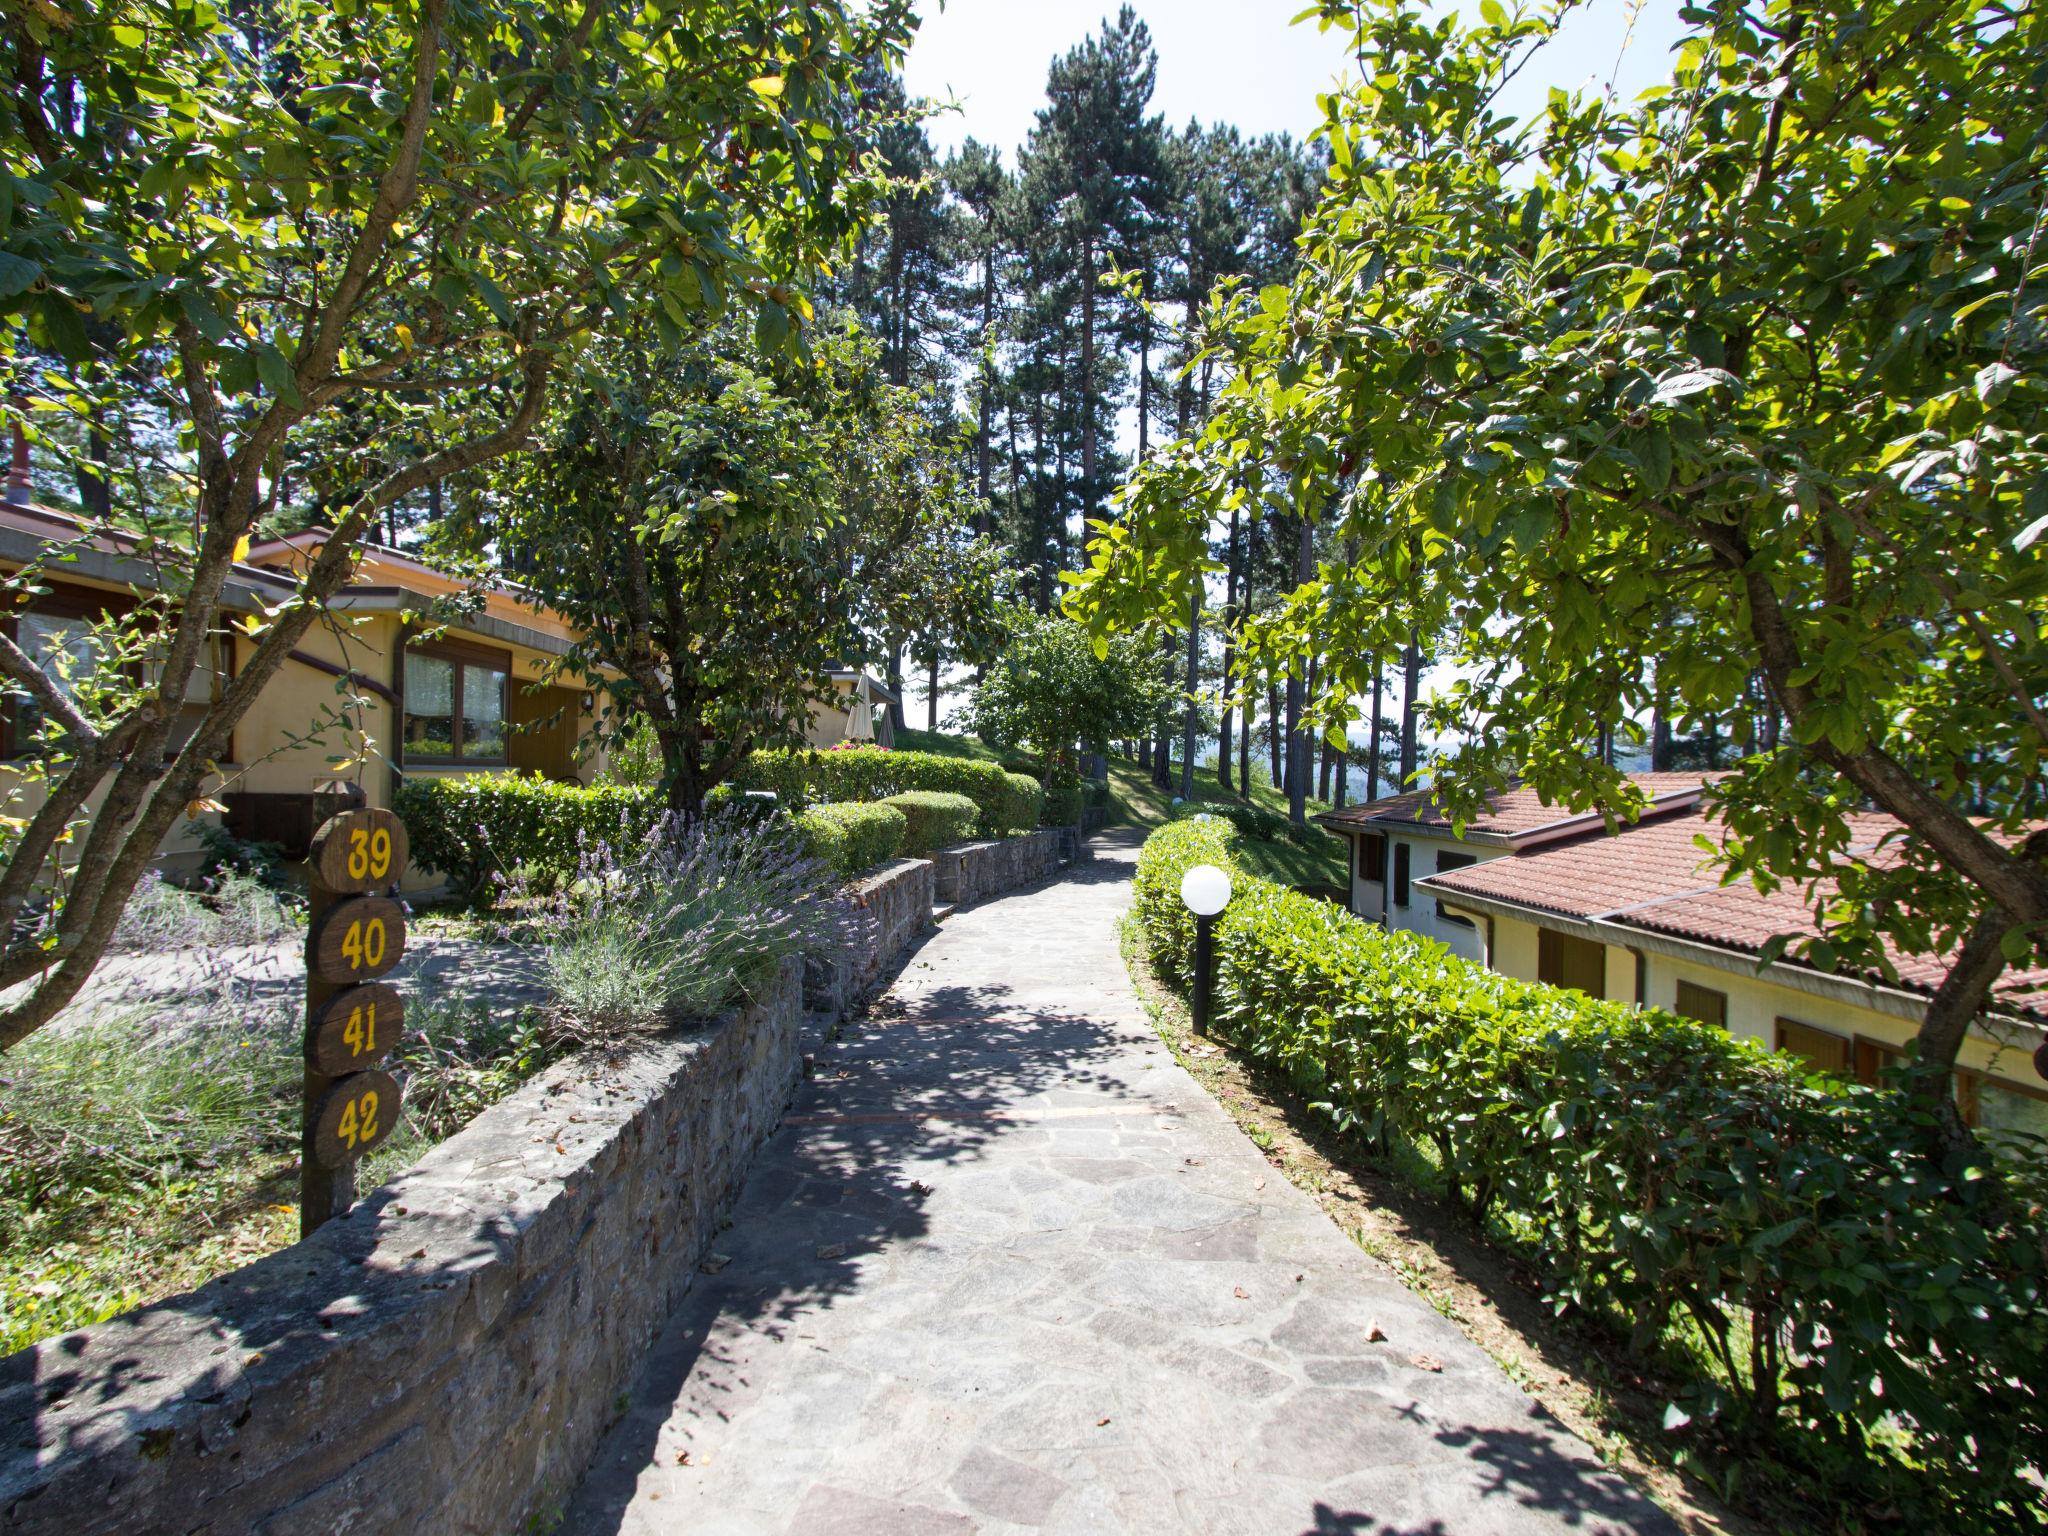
<point>693,919</point>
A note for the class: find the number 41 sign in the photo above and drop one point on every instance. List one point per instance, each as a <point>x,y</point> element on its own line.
<point>353,1017</point>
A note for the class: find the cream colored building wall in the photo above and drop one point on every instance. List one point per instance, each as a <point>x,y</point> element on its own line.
<point>23,797</point>
<point>303,718</point>
<point>1755,1004</point>
<point>299,698</point>
<point>848,717</point>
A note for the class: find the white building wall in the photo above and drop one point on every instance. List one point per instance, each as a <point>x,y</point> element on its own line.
<point>1369,899</point>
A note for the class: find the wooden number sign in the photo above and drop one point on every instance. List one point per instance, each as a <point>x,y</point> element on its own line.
<point>353,1019</point>
<point>359,851</point>
<point>359,1111</point>
<point>354,1028</point>
<point>356,940</point>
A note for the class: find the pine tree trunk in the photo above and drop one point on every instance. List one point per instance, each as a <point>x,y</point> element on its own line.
<point>988,320</point>
<point>1144,365</point>
<point>1372,765</point>
<point>1298,761</point>
<point>1343,780</point>
<point>1229,652</point>
<point>1086,390</point>
<point>1273,735</point>
<point>1188,716</point>
<point>896,683</point>
<point>1162,753</point>
<point>931,710</point>
<point>1244,756</point>
<point>1411,680</point>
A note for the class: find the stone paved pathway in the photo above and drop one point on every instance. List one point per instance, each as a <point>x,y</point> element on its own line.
<point>1005,1267</point>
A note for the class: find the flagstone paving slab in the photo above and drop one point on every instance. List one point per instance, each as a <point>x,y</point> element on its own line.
<point>1005,1267</point>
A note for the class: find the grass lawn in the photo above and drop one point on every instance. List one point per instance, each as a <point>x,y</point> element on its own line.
<point>956,746</point>
<point>1138,802</point>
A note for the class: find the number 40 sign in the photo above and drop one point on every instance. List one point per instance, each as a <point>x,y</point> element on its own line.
<point>353,1016</point>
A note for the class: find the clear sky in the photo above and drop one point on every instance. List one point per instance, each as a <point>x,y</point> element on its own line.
<point>1231,61</point>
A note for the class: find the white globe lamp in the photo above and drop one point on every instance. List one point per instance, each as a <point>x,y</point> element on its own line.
<point>1205,890</point>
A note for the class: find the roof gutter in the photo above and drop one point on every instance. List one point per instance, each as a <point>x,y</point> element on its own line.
<point>1551,832</point>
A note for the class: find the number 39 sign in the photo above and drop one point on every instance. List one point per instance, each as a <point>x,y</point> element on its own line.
<point>353,1018</point>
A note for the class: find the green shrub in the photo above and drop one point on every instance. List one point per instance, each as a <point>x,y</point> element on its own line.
<point>1835,1286</point>
<point>472,826</point>
<point>932,819</point>
<point>1022,803</point>
<point>1168,854</point>
<point>1252,820</point>
<point>852,838</point>
<point>855,774</point>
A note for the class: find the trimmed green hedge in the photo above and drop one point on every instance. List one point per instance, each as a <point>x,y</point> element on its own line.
<point>853,774</point>
<point>1064,798</point>
<point>932,819</point>
<point>1789,1231</point>
<point>471,826</point>
<point>852,838</point>
<point>1023,802</point>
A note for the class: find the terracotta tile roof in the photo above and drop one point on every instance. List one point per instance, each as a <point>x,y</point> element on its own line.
<point>1514,815</point>
<point>1654,876</point>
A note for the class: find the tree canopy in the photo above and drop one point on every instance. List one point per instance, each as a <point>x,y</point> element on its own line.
<point>725,530</point>
<point>348,247</point>
<point>1050,687</point>
<point>1737,384</point>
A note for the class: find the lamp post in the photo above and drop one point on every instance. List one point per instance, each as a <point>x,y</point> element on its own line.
<point>1205,890</point>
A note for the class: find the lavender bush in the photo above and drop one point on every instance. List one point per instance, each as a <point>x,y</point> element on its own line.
<point>236,908</point>
<point>692,919</point>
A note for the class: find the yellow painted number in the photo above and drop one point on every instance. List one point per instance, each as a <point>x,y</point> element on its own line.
<point>359,1119</point>
<point>363,944</point>
<point>361,1033</point>
<point>369,854</point>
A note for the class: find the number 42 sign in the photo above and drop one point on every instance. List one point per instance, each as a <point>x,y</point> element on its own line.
<point>353,1017</point>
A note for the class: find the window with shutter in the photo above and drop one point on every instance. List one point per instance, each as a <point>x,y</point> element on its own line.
<point>1564,960</point>
<point>1703,1003</point>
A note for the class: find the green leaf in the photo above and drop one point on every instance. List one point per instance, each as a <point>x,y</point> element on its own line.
<point>17,274</point>
<point>275,371</point>
<point>66,331</point>
<point>1692,381</point>
<point>206,320</point>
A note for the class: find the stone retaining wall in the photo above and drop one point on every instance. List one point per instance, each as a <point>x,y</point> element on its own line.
<point>445,1359</point>
<point>892,906</point>
<point>975,871</point>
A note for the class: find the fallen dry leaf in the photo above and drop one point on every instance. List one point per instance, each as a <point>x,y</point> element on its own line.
<point>1261,1184</point>
<point>1427,1363</point>
<point>1374,1333</point>
<point>682,1458</point>
<point>1241,1293</point>
<point>832,1250</point>
<point>714,1262</point>
<point>1100,1422</point>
